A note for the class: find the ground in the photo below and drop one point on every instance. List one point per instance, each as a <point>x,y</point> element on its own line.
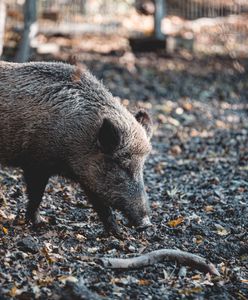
<point>196,178</point>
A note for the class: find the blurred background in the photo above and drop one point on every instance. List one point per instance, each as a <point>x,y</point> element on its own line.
<point>124,35</point>
<point>58,27</point>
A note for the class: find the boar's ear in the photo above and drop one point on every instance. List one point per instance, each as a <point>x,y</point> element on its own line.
<point>144,119</point>
<point>108,137</point>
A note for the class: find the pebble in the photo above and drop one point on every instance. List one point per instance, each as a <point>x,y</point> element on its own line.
<point>28,244</point>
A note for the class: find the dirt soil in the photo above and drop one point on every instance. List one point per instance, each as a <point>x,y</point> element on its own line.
<point>196,178</point>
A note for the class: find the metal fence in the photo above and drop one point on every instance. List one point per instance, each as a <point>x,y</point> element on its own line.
<point>227,21</point>
<point>71,10</point>
<point>73,16</point>
<point>194,9</point>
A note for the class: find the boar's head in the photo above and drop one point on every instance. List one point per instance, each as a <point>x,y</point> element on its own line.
<point>115,172</point>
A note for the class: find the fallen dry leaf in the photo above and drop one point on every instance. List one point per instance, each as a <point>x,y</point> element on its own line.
<point>176,222</point>
<point>12,292</point>
<point>176,150</point>
<point>196,277</point>
<point>209,208</point>
<point>188,292</point>
<point>65,278</point>
<point>5,230</point>
<point>144,282</point>
<point>187,106</point>
<point>198,239</point>
<point>221,230</point>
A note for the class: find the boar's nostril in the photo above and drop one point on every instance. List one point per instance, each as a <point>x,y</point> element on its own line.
<point>144,223</point>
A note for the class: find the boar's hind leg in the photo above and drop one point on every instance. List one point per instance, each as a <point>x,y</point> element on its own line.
<point>36,181</point>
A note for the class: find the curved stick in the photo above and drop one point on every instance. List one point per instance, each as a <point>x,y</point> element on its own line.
<point>182,257</point>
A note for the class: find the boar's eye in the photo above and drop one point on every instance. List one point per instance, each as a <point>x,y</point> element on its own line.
<point>127,156</point>
<point>108,137</point>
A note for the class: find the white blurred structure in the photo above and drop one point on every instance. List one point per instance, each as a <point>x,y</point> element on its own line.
<point>2,24</point>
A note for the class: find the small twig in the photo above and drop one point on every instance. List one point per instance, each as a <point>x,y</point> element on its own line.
<point>172,272</point>
<point>181,257</point>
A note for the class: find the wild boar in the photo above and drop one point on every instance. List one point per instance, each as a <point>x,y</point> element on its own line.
<point>56,119</point>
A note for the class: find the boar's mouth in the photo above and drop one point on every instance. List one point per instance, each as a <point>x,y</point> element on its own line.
<point>136,217</point>
<point>140,224</point>
<point>140,220</point>
<point>145,223</point>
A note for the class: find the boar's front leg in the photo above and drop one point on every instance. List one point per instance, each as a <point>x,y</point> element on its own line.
<point>36,180</point>
<point>105,214</point>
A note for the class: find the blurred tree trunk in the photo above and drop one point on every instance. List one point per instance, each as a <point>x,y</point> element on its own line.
<point>2,23</point>
<point>29,31</point>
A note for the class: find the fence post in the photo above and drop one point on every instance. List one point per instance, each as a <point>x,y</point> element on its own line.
<point>2,24</point>
<point>158,17</point>
<point>29,31</point>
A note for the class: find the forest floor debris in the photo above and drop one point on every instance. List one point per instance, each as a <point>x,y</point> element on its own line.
<point>196,178</point>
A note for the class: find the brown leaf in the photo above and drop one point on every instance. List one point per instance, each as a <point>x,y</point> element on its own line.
<point>221,230</point>
<point>209,208</point>
<point>189,292</point>
<point>187,106</point>
<point>12,292</point>
<point>244,280</point>
<point>5,230</point>
<point>176,150</point>
<point>144,282</point>
<point>196,277</point>
<point>65,278</point>
<point>176,222</point>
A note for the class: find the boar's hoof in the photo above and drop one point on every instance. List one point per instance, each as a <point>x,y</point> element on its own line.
<point>36,220</point>
<point>39,225</point>
<point>117,234</point>
<point>114,230</point>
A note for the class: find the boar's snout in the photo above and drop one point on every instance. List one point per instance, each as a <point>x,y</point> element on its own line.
<point>141,224</point>
<point>145,222</point>
<point>138,212</point>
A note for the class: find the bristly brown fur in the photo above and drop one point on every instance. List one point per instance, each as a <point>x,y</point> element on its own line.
<point>50,125</point>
